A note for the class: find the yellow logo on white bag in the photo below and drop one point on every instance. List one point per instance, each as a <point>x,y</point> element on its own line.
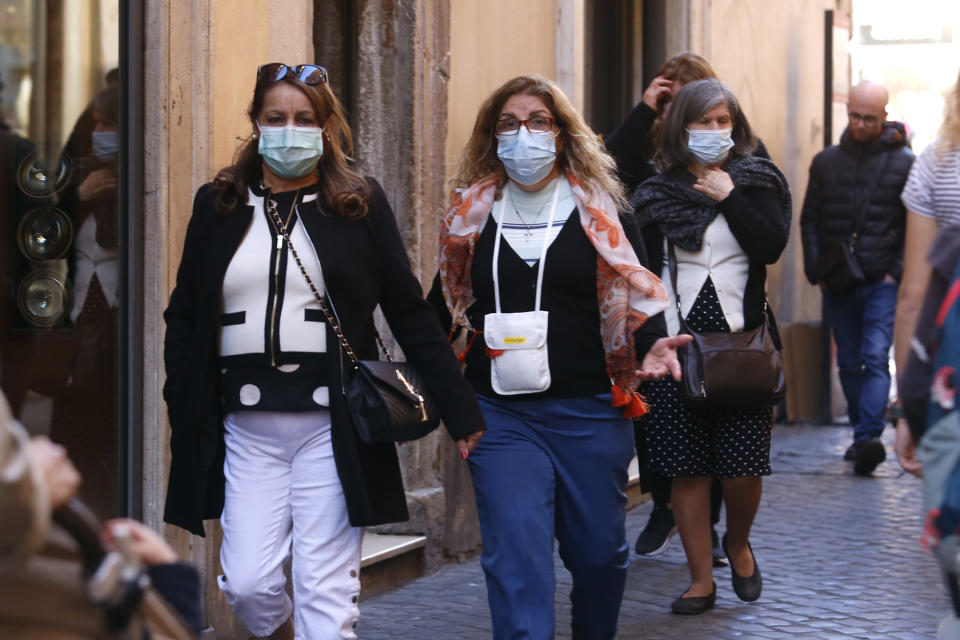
<point>515,340</point>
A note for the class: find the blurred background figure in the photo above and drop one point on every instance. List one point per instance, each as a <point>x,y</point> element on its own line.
<point>632,143</point>
<point>85,405</point>
<point>852,228</point>
<point>36,477</point>
<point>37,482</point>
<point>14,205</point>
<point>61,275</point>
<point>932,198</point>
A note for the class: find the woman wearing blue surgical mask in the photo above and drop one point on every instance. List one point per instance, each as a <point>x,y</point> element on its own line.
<point>542,284</point>
<point>262,438</point>
<point>726,215</point>
<point>84,402</point>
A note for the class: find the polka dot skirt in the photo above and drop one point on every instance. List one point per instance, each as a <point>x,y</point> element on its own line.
<point>686,442</point>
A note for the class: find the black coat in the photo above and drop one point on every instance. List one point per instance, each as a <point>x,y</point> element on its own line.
<point>631,145</point>
<point>840,177</point>
<point>364,264</point>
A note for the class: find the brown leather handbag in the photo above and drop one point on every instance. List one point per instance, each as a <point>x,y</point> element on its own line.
<point>737,370</point>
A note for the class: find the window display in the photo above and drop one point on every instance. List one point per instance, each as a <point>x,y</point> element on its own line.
<point>60,250</point>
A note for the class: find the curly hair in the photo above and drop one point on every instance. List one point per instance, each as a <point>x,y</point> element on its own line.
<point>341,187</point>
<point>579,149</point>
<point>950,128</point>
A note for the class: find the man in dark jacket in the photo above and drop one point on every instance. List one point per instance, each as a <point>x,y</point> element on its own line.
<point>852,217</point>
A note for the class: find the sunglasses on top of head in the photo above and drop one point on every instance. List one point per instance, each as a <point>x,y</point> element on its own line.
<point>309,74</point>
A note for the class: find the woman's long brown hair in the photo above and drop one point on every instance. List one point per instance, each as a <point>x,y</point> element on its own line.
<point>341,188</point>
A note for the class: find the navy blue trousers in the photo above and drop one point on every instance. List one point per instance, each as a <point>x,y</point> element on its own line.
<point>862,322</point>
<point>553,469</point>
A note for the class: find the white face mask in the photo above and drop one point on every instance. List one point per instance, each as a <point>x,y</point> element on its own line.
<point>710,146</point>
<point>528,157</point>
<point>291,152</point>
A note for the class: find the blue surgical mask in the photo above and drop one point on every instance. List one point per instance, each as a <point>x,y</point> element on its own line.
<point>528,157</point>
<point>291,152</point>
<point>710,146</point>
<point>106,146</point>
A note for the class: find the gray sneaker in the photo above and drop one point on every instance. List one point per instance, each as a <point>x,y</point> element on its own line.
<point>655,537</point>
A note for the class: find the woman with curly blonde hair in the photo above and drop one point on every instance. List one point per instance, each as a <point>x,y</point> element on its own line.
<point>932,199</point>
<point>536,261</point>
<point>579,149</point>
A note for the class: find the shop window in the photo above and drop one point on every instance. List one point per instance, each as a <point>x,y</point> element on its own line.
<point>62,245</point>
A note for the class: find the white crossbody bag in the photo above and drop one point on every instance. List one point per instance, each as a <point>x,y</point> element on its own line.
<point>523,366</point>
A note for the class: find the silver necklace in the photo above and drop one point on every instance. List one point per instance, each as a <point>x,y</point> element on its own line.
<point>528,234</point>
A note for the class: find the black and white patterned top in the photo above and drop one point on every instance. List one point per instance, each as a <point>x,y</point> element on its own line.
<point>273,339</point>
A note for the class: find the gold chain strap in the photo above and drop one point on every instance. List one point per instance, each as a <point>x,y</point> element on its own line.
<point>321,300</point>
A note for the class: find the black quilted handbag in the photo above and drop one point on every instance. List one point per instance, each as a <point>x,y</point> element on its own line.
<point>387,400</point>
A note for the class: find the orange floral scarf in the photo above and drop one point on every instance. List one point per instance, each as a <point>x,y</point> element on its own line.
<point>628,293</point>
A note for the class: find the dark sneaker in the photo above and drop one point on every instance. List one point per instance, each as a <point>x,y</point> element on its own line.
<point>719,556</point>
<point>851,454</point>
<point>869,454</point>
<point>655,537</point>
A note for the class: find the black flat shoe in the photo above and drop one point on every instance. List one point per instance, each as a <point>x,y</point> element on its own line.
<point>747,589</point>
<point>695,605</point>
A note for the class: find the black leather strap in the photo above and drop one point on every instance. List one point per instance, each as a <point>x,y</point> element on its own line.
<point>767,310</point>
<point>857,221</point>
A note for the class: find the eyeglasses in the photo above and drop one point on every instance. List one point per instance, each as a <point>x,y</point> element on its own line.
<point>310,74</point>
<point>510,126</point>
<point>870,121</point>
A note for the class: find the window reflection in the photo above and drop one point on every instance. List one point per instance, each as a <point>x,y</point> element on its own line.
<point>59,248</point>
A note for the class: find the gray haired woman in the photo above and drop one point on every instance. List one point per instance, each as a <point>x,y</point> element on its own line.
<point>726,214</point>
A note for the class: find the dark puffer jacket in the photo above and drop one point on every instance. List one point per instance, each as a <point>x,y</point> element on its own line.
<point>840,177</point>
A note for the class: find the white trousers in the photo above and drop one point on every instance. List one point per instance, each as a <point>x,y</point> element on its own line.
<point>281,488</point>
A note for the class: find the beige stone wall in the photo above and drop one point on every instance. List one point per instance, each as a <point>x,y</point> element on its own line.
<point>771,54</point>
<point>491,42</point>
<point>201,58</point>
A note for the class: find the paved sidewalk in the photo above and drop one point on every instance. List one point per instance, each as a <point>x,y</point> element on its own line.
<point>840,557</point>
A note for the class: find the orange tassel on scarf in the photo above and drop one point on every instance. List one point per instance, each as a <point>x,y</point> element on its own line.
<point>632,402</point>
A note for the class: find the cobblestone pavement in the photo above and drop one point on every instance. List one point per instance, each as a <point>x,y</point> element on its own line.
<point>840,557</point>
